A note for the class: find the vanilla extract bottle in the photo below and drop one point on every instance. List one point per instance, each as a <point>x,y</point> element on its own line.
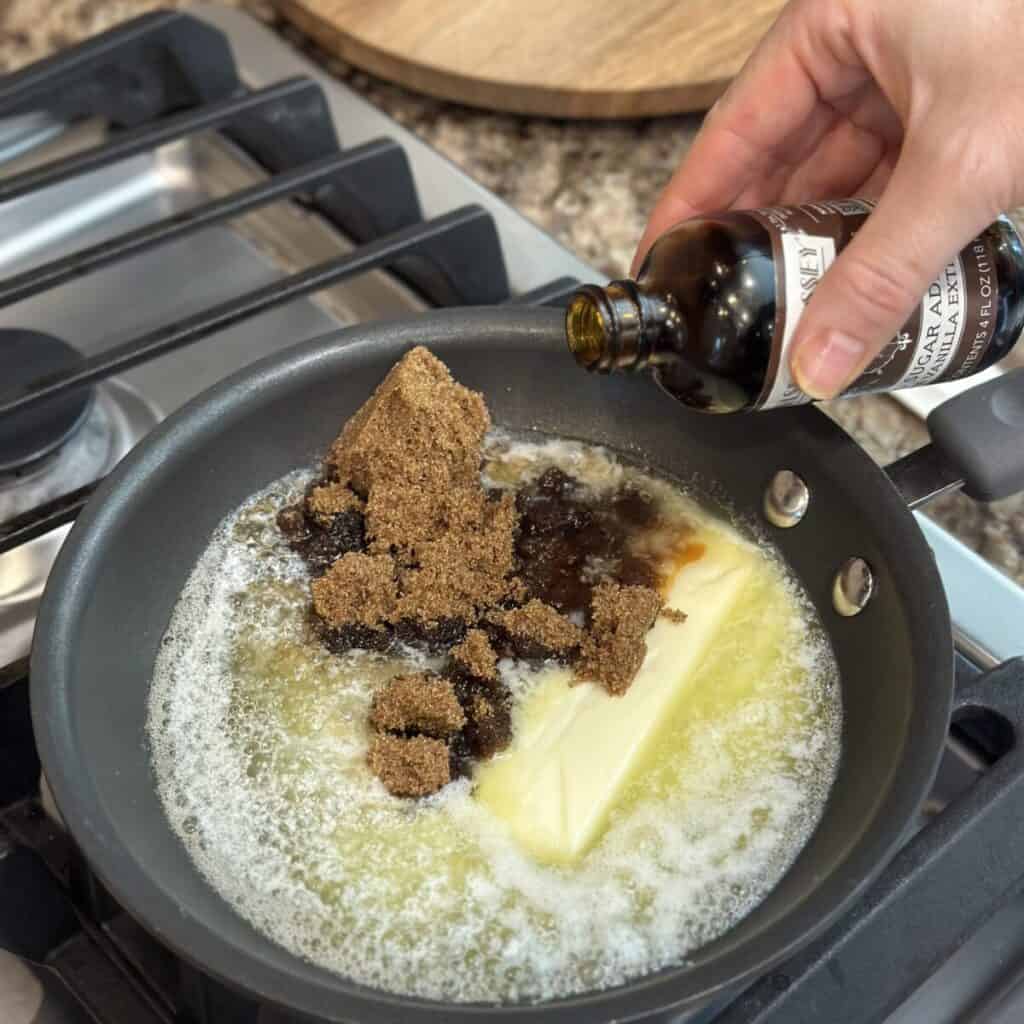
<point>715,305</point>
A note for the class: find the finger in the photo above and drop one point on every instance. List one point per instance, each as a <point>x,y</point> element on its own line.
<point>842,161</point>
<point>875,183</point>
<point>720,167</point>
<point>712,175</point>
<point>869,108</point>
<point>925,216</point>
<point>746,138</point>
<point>764,191</point>
<point>865,126</point>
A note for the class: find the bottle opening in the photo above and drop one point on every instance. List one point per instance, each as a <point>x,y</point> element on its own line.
<point>585,330</point>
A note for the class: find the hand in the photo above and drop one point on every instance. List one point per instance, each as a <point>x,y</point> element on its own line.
<point>919,104</point>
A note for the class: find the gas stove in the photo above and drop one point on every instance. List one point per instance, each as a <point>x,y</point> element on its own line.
<point>185,195</point>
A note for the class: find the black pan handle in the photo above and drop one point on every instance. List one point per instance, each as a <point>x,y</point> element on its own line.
<point>957,871</point>
<point>977,444</point>
<point>982,433</point>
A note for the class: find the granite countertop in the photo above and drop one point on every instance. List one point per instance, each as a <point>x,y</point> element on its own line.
<point>590,184</point>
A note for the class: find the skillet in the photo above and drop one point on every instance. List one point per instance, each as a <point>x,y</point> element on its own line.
<point>119,575</point>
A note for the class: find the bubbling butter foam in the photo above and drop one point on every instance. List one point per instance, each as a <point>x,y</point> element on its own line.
<point>259,738</point>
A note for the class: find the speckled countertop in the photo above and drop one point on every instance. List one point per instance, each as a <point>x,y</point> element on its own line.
<point>589,184</point>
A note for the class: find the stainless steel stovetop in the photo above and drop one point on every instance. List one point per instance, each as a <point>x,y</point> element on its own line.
<point>183,277</point>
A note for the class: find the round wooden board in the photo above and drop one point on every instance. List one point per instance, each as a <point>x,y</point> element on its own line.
<point>560,58</point>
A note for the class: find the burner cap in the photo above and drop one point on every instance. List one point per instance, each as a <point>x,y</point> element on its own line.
<point>27,436</point>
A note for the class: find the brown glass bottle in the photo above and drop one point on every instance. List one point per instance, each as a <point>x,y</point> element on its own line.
<point>713,307</point>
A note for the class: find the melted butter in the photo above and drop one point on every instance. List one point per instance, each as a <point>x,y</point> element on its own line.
<point>259,739</point>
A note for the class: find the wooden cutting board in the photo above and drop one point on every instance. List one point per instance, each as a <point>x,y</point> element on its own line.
<point>562,58</point>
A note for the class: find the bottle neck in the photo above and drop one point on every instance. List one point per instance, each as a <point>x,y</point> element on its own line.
<point>621,327</point>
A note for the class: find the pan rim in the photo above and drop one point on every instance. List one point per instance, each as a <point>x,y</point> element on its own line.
<point>318,991</point>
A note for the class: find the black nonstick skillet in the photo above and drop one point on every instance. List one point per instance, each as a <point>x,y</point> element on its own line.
<point>840,521</point>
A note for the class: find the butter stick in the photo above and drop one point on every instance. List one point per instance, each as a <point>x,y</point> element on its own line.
<point>576,747</point>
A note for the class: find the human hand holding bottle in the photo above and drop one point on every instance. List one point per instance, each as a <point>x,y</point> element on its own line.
<point>920,105</point>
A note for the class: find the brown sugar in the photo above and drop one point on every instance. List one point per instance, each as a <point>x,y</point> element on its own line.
<point>329,499</point>
<point>414,451</point>
<point>462,572</point>
<point>319,534</point>
<point>475,656</point>
<point>405,545</point>
<point>421,703</point>
<point>538,630</point>
<point>411,767</point>
<point>401,516</point>
<point>673,615</point>
<point>418,427</point>
<point>615,647</point>
<point>489,726</point>
<point>357,589</point>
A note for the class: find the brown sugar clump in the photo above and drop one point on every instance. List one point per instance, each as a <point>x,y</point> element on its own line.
<point>673,615</point>
<point>616,646</point>
<point>326,500</point>
<point>419,426</point>
<point>414,766</point>
<point>421,703</point>
<point>401,515</point>
<point>489,724</point>
<point>414,451</point>
<point>291,521</point>
<point>357,589</point>
<point>475,656</point>
<point>463,572</point>
<point>539,631</point>
<point>325,526</point>
<point>402,518</point>
<point>405,545</point>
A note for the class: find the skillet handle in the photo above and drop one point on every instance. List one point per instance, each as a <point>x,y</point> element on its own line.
<point>982,433</point>
<point>977,444</point>
<point>935,893</point>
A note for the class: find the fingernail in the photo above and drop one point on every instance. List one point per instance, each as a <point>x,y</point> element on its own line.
<point>827,363</point>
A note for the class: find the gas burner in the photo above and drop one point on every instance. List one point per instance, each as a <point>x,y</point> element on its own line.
<point>115,418</point>
<point>29,436</point>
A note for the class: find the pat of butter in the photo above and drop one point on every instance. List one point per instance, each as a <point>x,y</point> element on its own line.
<point>576,746</point>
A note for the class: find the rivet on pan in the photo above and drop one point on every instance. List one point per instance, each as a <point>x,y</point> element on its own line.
<point>786,499</point>
<point>854,586</point>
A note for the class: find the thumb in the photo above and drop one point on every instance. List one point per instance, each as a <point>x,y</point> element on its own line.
<point>926,215</point>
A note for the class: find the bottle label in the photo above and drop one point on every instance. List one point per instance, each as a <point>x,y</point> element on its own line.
<point>945,338</point>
